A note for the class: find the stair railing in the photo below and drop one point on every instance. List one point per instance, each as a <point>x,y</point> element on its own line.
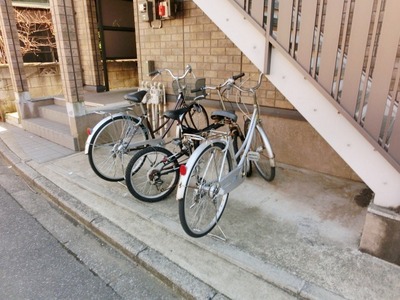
<point>348,49</point>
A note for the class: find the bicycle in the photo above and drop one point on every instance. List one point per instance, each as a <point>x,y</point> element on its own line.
<point>114,139</point>
<point>212,171</point>
<point>153,172</point>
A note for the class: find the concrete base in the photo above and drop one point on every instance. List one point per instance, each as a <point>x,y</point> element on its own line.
<point>381,234</point>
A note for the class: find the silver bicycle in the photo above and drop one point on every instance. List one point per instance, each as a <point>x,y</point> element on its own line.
<point>215,169</point>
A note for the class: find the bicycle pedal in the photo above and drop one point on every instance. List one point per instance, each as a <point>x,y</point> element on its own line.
<point>253,156</point>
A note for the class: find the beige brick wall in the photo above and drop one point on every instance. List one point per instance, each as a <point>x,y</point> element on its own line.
<point>44,80</point>
<point>192,38</point>
<point>6,87</point>
<point>122,74</point>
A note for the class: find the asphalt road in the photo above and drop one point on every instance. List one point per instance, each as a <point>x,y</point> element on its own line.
<point>44,255</point>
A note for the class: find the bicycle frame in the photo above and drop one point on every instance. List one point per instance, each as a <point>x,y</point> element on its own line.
<point>235,177</point>
<point>145,120</point>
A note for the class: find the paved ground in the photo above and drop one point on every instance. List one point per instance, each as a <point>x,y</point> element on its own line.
<point>295,237</point>
<point>43,255</point>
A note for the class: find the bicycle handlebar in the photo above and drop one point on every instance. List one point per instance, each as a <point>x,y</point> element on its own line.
<point>188,69</point>
<point>236,77</point>
<point>230,82</point>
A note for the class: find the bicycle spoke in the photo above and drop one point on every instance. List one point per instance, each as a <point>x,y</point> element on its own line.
<point>145,176</point>
<point>108,153</point>
<point>203,204</point>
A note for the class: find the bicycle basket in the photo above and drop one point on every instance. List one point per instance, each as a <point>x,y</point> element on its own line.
<point>189,84</point>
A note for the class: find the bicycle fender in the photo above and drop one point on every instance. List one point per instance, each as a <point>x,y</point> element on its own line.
<point>184,179</point>
<point>90,138</point>
<point>270,152</point>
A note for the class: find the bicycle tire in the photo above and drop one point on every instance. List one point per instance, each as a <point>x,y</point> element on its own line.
<point>108,156</point>
<point>237,141</point>
<point>196,118</point>
<point>147,176</point>
<point>265,165</point>
<point>199,210</point>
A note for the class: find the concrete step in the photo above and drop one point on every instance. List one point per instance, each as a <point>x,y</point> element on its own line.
<point>13,119</point>
<point>56,113</point>
<point>59,100</point>
<point>51,130</point>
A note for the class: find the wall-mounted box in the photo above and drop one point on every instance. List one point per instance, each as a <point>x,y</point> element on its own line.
<point>145,9</point>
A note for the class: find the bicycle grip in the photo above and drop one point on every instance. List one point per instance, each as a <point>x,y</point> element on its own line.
<point>156,72</point>
<point>236,77</point>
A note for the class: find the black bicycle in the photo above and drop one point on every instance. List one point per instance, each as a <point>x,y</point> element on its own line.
<point>114,140</point>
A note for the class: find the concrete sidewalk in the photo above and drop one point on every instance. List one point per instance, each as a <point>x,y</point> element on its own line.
<point>296,237</point>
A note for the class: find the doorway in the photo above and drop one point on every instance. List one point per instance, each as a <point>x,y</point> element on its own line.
<point>116,32</point>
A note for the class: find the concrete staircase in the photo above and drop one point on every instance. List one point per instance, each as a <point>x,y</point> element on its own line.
<point>13,119</point>
<point>52,124</point>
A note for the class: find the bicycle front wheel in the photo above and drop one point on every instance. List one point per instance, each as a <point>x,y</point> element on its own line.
<point>152,174</point>
<point>265,164</point>
<point>202,205</point>
<point>109,153</point>
<point>237,141</point>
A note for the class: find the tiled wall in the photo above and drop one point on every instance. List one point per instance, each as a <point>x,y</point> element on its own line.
<point>43,80</point>
<point>192,38</point>
<point>122,74</point>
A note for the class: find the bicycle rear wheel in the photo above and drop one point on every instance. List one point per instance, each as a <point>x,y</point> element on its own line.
<point>109,153</point>
<point>202,206</point>
<point>152,174</point>
<point>196,117</point>
<point>265,164</point>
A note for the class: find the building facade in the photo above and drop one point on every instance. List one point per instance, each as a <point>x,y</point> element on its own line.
<point>91,32</point>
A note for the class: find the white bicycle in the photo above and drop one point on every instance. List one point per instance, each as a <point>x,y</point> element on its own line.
<point>214,169</point>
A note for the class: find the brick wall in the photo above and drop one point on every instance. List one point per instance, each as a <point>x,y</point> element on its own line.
<point>6,88</point>
<point>43,79</point>
<point>192,38</point>
<point>122,74</point>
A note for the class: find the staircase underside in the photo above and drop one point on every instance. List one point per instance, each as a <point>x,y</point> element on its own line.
<point>369,164</point>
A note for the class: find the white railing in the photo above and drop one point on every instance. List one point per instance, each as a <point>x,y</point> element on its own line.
<point>349,49</point>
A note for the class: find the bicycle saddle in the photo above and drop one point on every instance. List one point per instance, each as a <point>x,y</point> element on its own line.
<point>136,97</point>
<point>221,114</point>
<point>175,114</point>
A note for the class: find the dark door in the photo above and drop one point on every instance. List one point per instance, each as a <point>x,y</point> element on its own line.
<point>117,31</point>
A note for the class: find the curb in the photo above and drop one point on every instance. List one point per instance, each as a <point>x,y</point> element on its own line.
<point>171,274</point>
<point>166,270</point>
